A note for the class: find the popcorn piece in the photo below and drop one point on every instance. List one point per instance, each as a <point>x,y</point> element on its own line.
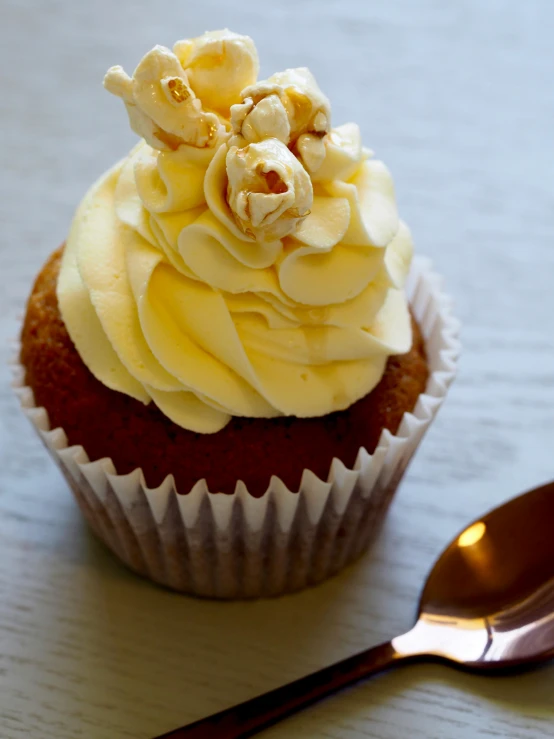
<point>219,65</point>
<point>293,94</point>
<point>253,123</point>
<point>311,150</point>
<point>343,154</point>
<point>161,104</point>
<point>269,191</point>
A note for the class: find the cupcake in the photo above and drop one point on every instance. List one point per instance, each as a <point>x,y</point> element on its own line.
<point>233,356</point>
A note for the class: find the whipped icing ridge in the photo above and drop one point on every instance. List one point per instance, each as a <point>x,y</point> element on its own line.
<point>245,258</point>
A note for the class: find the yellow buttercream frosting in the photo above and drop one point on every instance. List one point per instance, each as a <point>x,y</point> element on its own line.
<point>245,258</point>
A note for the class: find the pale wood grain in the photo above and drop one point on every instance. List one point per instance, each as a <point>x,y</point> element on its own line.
<point>458,99</point>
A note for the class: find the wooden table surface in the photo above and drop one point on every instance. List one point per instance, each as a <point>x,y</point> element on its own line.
<point>458,99</point>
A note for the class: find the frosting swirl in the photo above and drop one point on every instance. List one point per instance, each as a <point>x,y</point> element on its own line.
<point>245,259</point>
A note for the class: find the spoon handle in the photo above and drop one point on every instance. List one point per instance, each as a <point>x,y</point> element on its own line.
<point>247,719</point>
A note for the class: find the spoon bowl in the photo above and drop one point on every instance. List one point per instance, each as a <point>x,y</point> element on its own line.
<point>489,600</point>
<point>487,605</point>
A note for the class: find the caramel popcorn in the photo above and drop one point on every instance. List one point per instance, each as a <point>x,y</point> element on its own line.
<point>219,65</point>
<point>288,106</point>
<point>269,191</point>
<point>161,104</point>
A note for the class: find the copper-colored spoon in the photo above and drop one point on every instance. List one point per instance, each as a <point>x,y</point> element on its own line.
<point>487,606</point>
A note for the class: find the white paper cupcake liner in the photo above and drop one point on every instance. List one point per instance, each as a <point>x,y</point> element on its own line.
<point>239,546</point>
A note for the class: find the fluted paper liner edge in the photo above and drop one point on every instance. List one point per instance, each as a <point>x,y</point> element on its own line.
<point>238,546</point>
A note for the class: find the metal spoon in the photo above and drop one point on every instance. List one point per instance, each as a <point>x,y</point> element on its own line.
<point>487,606</point>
